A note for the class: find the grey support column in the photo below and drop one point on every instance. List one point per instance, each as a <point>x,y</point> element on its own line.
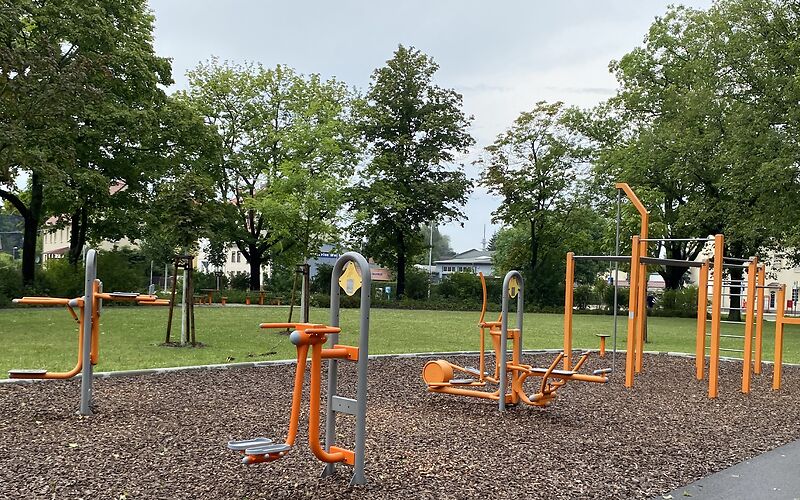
<point>86,353</point>
<point>334,402</point>
<point>504,330</point>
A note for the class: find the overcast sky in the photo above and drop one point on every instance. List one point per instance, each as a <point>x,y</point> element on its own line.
<point>501,56</point>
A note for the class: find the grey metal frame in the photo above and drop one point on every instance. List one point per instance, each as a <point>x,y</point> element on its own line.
<point>335,403</point>
<point>86,354</point>
<point>504,331</point>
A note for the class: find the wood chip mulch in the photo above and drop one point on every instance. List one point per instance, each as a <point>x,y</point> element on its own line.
<point>163,436</point>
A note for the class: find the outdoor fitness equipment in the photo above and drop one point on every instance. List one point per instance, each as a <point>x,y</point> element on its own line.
<point>88,319</point>
<point>311,336</point>
<point>438,375</point>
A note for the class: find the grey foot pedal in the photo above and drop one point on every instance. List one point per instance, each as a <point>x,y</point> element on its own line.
<point>124,295</point>
<point>601,371</point>
<point>461,381</point>
<point>248,443</point>
<point>474,371</point>
<point>267,449</point>
<point>20,373</point>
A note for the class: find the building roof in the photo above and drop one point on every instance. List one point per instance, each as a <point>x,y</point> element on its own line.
<point>469,257</point>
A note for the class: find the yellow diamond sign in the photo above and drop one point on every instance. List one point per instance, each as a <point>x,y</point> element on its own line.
<point>350,280</point>
<point>513,287</point>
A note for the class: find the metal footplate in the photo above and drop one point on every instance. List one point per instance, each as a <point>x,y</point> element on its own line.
<point>474,371</point>
<point>248,443</point>
<point>602,371</point>
<point>461,381</point>
<point>268,449</point>
<point>21,373</point>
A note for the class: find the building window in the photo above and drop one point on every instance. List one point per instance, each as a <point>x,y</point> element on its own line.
<point>233,257</point>
<point>772,299</point>
<point>238,257</point>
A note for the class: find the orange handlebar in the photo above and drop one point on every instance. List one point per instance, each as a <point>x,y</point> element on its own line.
<point>324,329</point>
<point>43,301</point>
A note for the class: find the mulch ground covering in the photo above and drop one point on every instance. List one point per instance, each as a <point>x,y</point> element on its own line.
<point>163,436</point>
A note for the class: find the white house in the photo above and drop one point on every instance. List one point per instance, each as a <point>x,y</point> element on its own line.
<point>471,261</point>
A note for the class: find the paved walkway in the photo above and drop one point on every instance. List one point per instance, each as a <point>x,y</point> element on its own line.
<point>775,474</point>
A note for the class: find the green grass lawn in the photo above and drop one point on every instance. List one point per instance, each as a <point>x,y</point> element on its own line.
<point>130,336</point>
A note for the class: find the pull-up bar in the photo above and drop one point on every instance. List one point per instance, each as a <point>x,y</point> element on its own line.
<point>605,258</point>
<point>670,262</point>
<point>677,239</point>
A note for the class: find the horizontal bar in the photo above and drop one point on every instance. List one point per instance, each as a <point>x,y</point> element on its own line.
<point>676,239</point>
<point>791,321</point>
<point>729,265</point>
<point>729,336</point>
<point>771,287</point>
<point>730,322</point>
<point>737,259</point>
<point>670,262</point>
<point>731,350</point>
<point>608,258</point>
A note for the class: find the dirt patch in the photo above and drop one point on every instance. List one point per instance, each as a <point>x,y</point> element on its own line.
<point>163,436</point>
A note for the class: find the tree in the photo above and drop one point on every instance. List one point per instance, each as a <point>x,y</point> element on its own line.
<point>580,230</point>
<point>441,245</point>
<point>533,167</point>
<point>695,130</point>
<point>285,158</point>
<point>414,129</point>
<point>79,80</point>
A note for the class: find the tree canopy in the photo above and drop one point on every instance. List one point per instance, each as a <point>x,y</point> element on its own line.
<point>414,130</point>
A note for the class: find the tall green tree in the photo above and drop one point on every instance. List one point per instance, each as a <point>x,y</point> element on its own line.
<point>693,129</point>
<point>437,245</point>
<point>79,79</point>
<point>286,157</point>
<point>414,129</point>
<point>533,166</point>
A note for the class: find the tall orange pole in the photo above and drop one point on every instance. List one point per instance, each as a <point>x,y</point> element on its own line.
<point>641,289</point>
<point>716,317</point>
<point>762,271</point>
<point>752,271</point>
<point>702,305</point>
<point>779,312</point>
<point>568,303</point>
<point>630,355</point>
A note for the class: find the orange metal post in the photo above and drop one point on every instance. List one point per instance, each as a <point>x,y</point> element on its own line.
<point>641,304</point>
<point>568,297</point>
<point>779,312</point>
<point>641,291</point>
<point>762,271</point>
<point>716,313</point>
<point>702,305</point>
<point>752,270</point>
<point>632,308</point>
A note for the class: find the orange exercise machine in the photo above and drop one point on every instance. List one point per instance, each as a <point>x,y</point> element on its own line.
<point>438,375</point>
<point>88,318</point>
<point>311,337</point>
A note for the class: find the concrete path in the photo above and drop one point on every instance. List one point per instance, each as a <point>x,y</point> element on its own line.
<point>772,475</point>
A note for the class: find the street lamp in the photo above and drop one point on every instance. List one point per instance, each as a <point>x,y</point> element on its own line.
<point>14,251</point>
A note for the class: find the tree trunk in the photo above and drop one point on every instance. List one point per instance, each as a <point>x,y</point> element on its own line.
<point>673,277</point>
<point>77,235</point>
<point>735,314</point>
<point>401,266</point>
<point>534,248</point>
<point>32,219</point>
<point>256,258</point>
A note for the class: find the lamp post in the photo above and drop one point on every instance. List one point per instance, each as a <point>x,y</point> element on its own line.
<point>430,258</point>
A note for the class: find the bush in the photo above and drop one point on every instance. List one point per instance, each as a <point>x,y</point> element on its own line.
<point>240,281</point>
<point>321,282</point>
<point>583,295</point>
<point>681,303</point>
<point>10,280</point>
